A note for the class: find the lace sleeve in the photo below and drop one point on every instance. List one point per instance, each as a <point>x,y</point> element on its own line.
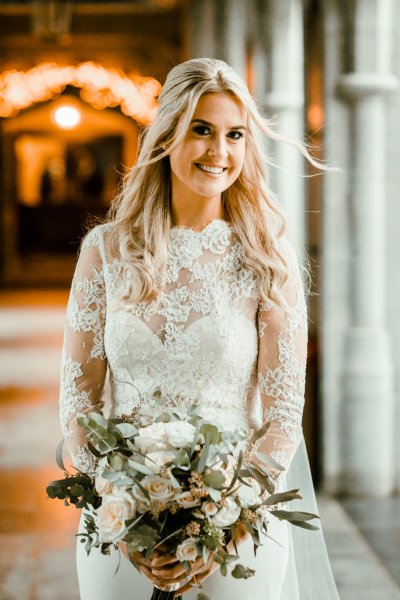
<point>84,366</point>
<point>281,370</point>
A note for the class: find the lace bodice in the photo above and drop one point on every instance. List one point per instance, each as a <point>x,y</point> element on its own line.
<point>206,339</point>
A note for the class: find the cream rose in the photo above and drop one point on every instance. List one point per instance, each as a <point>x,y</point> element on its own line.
<point>112,514</point>
<point>228,514</point>
<point>158,488</point>
<point>156,460</point>
<point>152,438</point>
<point>187,550</point>
<point>186,500</point>
<point>179,433</point>
<point>209,508</point>
<point>249,495</point>
<point>103,486</point>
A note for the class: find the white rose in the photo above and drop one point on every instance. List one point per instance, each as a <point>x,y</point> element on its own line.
<point>158,488</point>
<point>156,460</point>
<point>179,433</point>
<point>249,495</point>
<point>186,500</point>
<point>229,470</point>
<point>141,499</point>
<point>103,486</point>
<point>152,438</point>
<point>228,514</point>
<point>112,514</point>
<point>209,508</point>
<point>187,550</point>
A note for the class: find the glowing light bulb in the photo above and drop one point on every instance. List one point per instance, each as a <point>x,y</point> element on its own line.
<point>67,117</point>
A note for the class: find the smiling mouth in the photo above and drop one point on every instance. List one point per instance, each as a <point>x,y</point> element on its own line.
<point>212,170</point>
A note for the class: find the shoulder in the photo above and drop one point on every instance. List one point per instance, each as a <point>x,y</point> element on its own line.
<point>95,237</point>
<point>293,259</point>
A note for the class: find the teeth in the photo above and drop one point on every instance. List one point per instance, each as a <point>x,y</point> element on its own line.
<point>215,170</point>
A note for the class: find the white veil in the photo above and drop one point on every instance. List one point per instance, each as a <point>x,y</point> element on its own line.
<point>309,574</point>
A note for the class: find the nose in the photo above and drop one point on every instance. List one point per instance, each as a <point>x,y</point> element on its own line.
<point>218,147</point>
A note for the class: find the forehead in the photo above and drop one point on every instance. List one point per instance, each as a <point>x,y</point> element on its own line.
<point>221,107</point>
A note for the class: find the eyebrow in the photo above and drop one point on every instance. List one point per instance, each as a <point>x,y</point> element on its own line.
<point>203,122</point>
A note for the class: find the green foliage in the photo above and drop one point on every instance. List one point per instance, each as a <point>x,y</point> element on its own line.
<point>76,490</point>
<point>142,537</point>
<point>214,479</point>
<point>241,572</point>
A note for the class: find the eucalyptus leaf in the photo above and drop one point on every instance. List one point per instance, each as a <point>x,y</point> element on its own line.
<point>261,478</point>
<point>257,435</point>
<point>241,572</point>
<point>215,494</point>
<point>237,471</point>
<point>163,418</point>
<point>269,460</point>
<point>195,438</point>
<point>282,497</point>
<point>212,432</point>
<point>214,479</point>
<point>204,453</point>
<point>305,525</point>
<point>294,515</point>
<point>140,467</point>
<point>111,475</point>
<point>126,430</point>
<point>107,443</point>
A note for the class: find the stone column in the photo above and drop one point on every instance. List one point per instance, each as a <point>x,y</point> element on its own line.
<point>231,33</point>
<point>282,22</point>
<point>368,406</point>
<point>201,30</point>
<point>218,28</point>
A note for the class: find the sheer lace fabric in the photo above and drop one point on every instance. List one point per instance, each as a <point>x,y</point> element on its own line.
<point>209,340</point>
<point>206,340</point>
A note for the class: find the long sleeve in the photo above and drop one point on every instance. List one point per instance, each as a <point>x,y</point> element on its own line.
<point>84,365</point>
<point>281,369</point>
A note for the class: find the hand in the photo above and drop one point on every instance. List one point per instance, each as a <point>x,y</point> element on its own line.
<point>167,570</point>
<point>140,561</point>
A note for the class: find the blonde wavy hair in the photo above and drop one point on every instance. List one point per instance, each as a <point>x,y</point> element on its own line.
<point>141,215</point>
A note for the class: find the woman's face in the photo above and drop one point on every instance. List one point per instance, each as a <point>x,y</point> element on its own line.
<point>211,156</point>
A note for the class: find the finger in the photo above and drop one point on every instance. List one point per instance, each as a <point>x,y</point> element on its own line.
<point>180,579</point>
<point>193,584</point>
<point>170,572</point>
<point>150,575</point>
<point>165,559</point>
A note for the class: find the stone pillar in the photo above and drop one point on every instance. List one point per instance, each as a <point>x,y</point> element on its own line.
<point>231,33</point>
<point>282,22</point>
<point>218,28</point>
<point>368,406</point>
<point>201,30</point>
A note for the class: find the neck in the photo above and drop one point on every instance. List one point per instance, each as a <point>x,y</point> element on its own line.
<point>195,217</point>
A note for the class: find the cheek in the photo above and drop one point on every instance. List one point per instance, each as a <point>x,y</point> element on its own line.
<point>239,159</point>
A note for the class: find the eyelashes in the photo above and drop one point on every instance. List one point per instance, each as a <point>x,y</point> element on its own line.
<point>202,131</point>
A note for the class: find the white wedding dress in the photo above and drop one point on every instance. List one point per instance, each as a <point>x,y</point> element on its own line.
<point>207,339</point>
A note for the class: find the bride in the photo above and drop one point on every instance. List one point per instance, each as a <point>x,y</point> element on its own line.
<point>192,288</point>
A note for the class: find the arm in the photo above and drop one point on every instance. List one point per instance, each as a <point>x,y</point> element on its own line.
<point>281,370</point>
<point>84,366</point>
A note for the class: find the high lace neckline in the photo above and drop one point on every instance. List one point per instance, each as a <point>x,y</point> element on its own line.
<point>214,224</point>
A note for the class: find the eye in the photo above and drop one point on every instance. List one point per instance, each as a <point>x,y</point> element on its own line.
<point>201,129</point>
<point>236,135</point>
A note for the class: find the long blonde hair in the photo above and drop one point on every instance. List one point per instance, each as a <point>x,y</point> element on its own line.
<point>141,212</point>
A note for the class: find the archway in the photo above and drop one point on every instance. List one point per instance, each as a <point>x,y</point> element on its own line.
<point>56,176</point>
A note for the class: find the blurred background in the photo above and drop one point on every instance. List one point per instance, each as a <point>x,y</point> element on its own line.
<point>78,80</point>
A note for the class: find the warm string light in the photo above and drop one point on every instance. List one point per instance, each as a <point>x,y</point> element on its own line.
<point>100,87</point>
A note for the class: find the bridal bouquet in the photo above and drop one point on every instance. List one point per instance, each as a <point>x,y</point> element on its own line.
<point>181,483</point>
